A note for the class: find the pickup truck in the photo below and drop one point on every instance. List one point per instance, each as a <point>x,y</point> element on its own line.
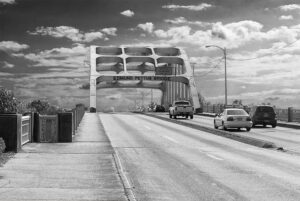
<point>181,108</point>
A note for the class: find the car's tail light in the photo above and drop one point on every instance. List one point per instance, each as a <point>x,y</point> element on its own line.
<point>230,119</point>
<point>248,119</point>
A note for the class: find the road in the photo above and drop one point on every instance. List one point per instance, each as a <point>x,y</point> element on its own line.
<point>287,138</point>
<point>167,161</point>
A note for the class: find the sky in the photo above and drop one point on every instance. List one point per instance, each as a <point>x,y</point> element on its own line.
<point>44,46</point>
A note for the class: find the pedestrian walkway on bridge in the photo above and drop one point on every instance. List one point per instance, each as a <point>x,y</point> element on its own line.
<point>82,170</point>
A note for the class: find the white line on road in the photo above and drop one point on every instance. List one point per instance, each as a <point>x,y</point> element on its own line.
<point>171,139</point>
<point>214,157</point>
<point>148,127</point>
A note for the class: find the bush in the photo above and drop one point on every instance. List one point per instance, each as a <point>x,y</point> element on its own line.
<point>8,103</point>
<point>2,145</point>
<point>39,106</point>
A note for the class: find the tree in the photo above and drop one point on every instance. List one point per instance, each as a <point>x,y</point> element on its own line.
<point>8,103</point>
<point>39,106</point>
<point>237,102</point>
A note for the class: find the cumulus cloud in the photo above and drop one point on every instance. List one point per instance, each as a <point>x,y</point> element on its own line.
<point>200,7</point>
<point>11,46</point>
<point>110,31</point>
<point>286,17</point>
<point>60,57</point>
<point>148,27</point>
<point>231,35</point>
<point>7,1</point>
<point>7,65</point>
<point>182,20</point>
<point>73,34</point>
<point>127,13</point>
<point>290,7</point>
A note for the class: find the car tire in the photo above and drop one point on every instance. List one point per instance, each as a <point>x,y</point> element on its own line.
<point>215,125</point>
<point>224,127</point>
<point>192,116</point>
<point>186,116</point>
<point>175,117</point>
<point>248,129</point>
<point>274,125</point>
<point>264,125</point>
<point>170,116</point>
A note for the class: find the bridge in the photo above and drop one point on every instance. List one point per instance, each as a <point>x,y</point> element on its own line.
<point>164,68</point>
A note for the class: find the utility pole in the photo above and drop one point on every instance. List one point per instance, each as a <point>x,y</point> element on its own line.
<point>151,96</point>
<point>225,65</point>
<point>193,66</point>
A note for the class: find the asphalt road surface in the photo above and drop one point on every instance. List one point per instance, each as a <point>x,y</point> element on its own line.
<point>166,161</point>
<point>287,138</point>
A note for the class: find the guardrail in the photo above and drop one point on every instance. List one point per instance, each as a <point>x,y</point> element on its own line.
<point>25,130</point>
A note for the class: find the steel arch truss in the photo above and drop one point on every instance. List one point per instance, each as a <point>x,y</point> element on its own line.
<point>163,68</point>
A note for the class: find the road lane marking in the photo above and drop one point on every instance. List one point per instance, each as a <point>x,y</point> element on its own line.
<point>171,139</point>
<point>214,157</point>
<point>148,127</point>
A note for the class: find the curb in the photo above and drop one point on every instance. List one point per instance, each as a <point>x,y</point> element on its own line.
<point>233,136</point>
<point>294,126</point>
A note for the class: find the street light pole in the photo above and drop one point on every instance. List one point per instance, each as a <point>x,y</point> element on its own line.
<point>225,65</point>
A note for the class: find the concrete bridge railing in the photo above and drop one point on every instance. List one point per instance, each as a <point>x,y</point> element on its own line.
<point>17,130</point>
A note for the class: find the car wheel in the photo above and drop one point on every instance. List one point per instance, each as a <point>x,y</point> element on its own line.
<point>224,127</point>
<point>175,117</point>
<point>215,125</point>
<point>248,129</point>
<point>186,116</point>
<point>273,125</point>
<point>192,116</point>
<point>264,125</point>
<point>170,116</point>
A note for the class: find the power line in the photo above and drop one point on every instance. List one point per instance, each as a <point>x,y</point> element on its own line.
<point>269,54</point>
<point>212,69</point>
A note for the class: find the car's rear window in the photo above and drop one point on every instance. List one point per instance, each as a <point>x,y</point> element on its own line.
<point>182,103</point>
<point>236,112</point>
<point>265,109</point>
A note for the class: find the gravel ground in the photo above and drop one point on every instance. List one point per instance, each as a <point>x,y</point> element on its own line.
<point>4,157</point>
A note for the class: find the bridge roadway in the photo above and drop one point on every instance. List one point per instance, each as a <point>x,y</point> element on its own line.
<point>287,138</point>
<point>166,161</point>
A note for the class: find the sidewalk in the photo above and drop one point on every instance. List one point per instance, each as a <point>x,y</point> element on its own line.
<point>81,170</point>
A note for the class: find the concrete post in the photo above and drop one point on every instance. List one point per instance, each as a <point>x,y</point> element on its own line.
<point>10,127</point>
<point>290,114</point>
<point>65,127</point>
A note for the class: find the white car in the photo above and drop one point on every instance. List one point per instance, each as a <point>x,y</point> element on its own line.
<point>233,118</point>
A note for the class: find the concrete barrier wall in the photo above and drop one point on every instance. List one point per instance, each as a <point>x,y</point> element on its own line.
<point>40,128</point>
<point>10,131</point>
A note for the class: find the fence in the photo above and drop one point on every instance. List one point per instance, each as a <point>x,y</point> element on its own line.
<point>25,130</point>
<point>289,115</point>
